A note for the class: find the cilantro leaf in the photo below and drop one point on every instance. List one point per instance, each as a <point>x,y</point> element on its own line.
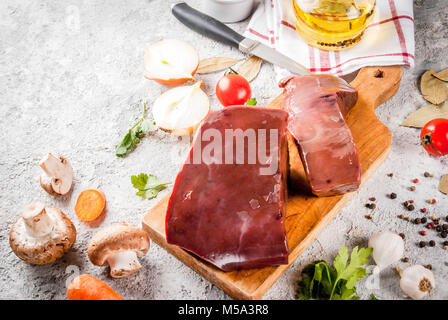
<point>132,137</point>
<point>251,102</point>
<point>346,294</point>
<point>357,259</point>
<point>336,282</point>
<point>341,259</point>
<point>148,125</point>
<point>148,186</point>
<point>353,272</point>
<point>304,292</point>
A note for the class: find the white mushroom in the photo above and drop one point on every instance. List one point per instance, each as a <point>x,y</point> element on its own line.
<point>42,235</point>
<point>57,177</point>
<point>120,246</point>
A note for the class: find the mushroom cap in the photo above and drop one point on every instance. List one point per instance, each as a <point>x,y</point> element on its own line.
<point>46,249</point>
<point>117,237</point>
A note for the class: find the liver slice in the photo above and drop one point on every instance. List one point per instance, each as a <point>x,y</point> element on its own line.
<point>231,215</point>
<point>317,105</point>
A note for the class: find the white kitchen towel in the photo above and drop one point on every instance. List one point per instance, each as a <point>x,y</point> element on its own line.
<point>388,40</point>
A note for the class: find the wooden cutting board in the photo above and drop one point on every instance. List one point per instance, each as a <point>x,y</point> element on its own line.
<point>306,215</point>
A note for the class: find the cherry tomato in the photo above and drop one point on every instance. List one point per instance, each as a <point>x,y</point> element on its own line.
<point>434,137</point>
<point>233,89</point>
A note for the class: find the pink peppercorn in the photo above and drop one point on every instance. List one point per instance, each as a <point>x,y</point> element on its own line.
<point>415,180</point>
<point>411,201</point>
<point>423,210</point>
<point>428,226</point>
<point>423,233</point>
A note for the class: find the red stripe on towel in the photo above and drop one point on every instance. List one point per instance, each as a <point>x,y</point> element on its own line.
<point>337,59</point>
<point>311,54</point>
<point>258,34</point>
<point>400,34</point>
<point>403,54</point>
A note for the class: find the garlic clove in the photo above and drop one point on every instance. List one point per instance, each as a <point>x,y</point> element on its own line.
<point>388,248</point>
<point>417,282</point>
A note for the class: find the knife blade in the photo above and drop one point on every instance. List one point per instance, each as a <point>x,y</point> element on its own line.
<point>214,29</point>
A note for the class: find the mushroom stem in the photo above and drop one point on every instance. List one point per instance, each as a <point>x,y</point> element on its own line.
<point>38,223</point>
<point>58,174</point>
<point>52,166</point>
<point>123,263</point>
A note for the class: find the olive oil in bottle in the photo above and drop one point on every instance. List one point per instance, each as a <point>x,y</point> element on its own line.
<point>333,24</point>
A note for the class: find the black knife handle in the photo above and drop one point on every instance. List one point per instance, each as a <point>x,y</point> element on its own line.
<point>206,25</point>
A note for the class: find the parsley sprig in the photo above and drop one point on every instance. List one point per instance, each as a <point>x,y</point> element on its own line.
<point>148,186</point>
<point>133,136</point>
<point>251,102</point>
<point>337,282</point>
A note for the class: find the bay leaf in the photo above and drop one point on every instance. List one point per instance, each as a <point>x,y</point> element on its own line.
<point>210,65</point>
<point>250,68</point>
<point>442,75</point>
<point>422,116</point>
<point>443,184</point>
<point>433,89</point>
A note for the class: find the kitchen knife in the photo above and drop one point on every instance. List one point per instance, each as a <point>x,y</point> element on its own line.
<point>212,28</point>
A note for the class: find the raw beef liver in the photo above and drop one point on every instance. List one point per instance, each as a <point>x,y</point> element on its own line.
<point>317,105</point>
<point>231,215</point>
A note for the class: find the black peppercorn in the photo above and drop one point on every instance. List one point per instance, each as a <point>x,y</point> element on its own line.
<point>438,228</point>
<point>445,243</point>
<point>445,226</point>
<point>405,259</point>
<point>402,235</point>
<point>371,206</point>
<point>393,195</point>
<point>432,243</point>
<point>417,221</point>
<point>429,266</point>
<point>444,234</point>
<point>422,244</point>
<point>424,220</point>
<point>410,207</point>
<point>427,174</point>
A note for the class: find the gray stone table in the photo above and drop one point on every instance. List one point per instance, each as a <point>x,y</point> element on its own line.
<point>70,83</point>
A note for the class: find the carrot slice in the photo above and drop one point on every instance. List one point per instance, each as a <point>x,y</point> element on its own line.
<point>90,204</point>
<point>87,287</point>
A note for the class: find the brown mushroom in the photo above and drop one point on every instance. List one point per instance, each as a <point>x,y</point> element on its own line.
<point>42,234</point>
<point>120,246</point>
<point>57,177</point>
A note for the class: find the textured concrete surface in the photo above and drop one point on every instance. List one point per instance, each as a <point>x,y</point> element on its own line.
<point>70,83</point>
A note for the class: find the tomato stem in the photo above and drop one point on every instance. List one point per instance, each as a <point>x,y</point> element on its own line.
<point>231,70</point>
<point>426,140</point>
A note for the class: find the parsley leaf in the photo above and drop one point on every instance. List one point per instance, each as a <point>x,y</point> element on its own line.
<point>251,102</point>
<point>337,282</point>
<point>132,137</point>
<point>148,186</point>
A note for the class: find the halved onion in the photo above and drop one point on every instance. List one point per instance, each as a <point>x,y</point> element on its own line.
<point>171,62</point>
<point>180,110</point>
